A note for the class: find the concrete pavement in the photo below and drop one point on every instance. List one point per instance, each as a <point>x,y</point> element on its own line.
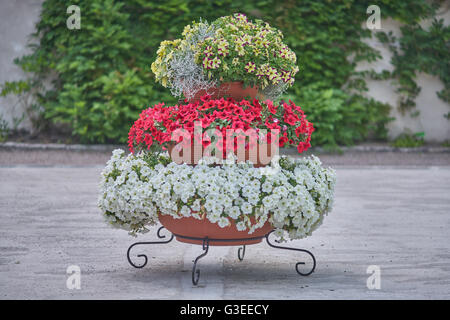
<point>394,217</point>
<point>42,157</point>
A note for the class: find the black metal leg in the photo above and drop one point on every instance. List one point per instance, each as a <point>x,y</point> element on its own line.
<point>152,242</point>
<point>195,272</point>
<point>241,253</point>
<point>205,246</point>
<point>295,249</point>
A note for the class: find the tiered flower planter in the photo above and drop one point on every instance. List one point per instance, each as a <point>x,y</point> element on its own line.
<point>199,66</point>
<point>203,232</point>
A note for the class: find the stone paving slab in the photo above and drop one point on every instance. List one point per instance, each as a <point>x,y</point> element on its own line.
<point>395,218</point>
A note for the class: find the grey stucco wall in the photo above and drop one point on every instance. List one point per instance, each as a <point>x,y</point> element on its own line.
<point>430,106</point>
<point>18,17</point>
<point>17,22</point>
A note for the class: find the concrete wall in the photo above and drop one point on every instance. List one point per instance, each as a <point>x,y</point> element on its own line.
<point>17,21</point>
<point>18,17</point>
<point>431,107</point>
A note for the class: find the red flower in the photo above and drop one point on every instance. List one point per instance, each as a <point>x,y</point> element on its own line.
<point>157,123</point>
<point>271,107</point>
<point>300,131</point>
<point>303,146</point>
<point>148,140</point>
<point>282,141</point>
<point>291,118</point>
<point>205,98</point>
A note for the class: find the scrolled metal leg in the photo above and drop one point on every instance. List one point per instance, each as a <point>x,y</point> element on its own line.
<point>195,272</point>
<point>241,253</point>
<point>295,249</point>
<point>158,233</point>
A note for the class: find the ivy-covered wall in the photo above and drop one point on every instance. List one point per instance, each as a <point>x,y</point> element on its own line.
<point>101,76</point>
<point>427,113</point>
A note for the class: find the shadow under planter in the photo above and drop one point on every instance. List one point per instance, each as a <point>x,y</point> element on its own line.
<point>206,241</point>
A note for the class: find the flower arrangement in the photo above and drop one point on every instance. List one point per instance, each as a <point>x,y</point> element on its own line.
<point>293,194</point>
<point>156,125</point>
<point>231,48</point>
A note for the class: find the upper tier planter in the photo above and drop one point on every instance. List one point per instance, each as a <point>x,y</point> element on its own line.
<point>228,50</point>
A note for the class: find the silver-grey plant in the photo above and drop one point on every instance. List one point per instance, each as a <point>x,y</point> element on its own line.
<point>186,76</point>
<point>273,92</point>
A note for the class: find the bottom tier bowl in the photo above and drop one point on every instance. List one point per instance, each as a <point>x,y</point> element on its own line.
<point>195,231</point>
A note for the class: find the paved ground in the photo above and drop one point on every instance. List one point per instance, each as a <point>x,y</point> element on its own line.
<point>391,211</point>
<point>91,158</point>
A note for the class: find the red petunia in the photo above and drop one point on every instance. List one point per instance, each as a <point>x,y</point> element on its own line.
<point>272,109</point>
<point>148,140</point>
<point>157,123</point>
<point>291,118</point>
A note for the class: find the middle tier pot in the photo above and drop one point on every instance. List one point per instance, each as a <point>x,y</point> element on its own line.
<point>192,230</point>
<point>263,157</point>
<point>233,89</point>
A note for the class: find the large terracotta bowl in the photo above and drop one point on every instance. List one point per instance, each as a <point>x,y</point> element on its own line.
<point>234,90</point>
<point>187,228</point>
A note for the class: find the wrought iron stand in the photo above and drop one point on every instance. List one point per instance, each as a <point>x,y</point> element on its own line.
<point>205,245</point>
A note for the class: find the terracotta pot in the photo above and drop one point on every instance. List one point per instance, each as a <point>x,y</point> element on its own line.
<point>259,162</point>
<point>194,228</point>
<point>195,157</point>
<point>234,90</point>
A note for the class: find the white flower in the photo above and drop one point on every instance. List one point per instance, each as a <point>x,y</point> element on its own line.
<point>227,202</point>
<point>214,188</point>
<point>253,199</point>
<point>196,215</point>
<point>295,199</point>
<point>268,202</point>
<point>165,188</point>
<point>234,212</point>
<point>247,191</point>
<point>240,226</point>
<point>213,217</point>
<point>196,205</point>
<point>218,208</point>
<point>247,208</point>
<point>283,203</point>
<point>279,233</point>
<point>267,187</point>
<point>133,177</point>
<point>238,201</point>
<point>255,184</point>
<point>178,188</point>
<point>119,180</point>
<point>209,205</point>
<point>145,171</point>
<point>224,222</point>
<point>185,211</point>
